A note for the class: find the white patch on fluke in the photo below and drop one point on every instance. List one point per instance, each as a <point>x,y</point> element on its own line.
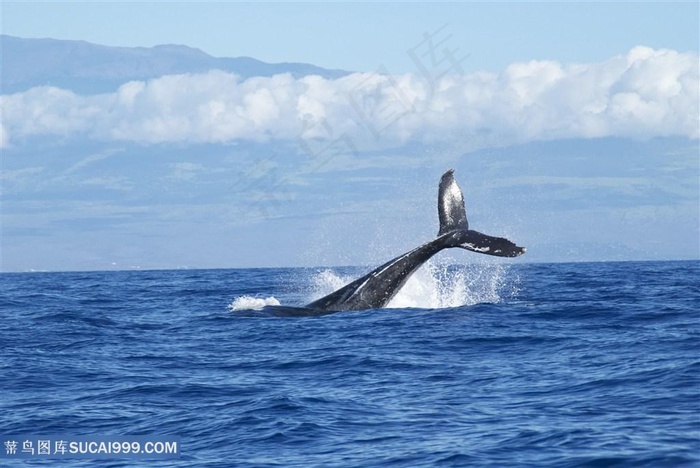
<point>477,249</point>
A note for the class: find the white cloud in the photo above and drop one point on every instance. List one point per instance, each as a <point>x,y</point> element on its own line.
<point>4,139</point>
<point>643,93</point>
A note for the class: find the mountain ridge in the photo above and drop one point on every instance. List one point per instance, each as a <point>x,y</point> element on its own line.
<point>87,68</point>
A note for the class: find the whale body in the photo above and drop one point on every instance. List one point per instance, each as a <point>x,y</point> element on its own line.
<point>379,286</point>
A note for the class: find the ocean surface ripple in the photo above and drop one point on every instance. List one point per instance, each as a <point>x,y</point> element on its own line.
<point>567,365</point>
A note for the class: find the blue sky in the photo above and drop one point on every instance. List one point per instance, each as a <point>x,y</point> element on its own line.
<point>363,36</point>
<point>573,129</point>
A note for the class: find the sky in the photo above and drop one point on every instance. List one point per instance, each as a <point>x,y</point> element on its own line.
<point>367,35</point>
<point>573,129</point>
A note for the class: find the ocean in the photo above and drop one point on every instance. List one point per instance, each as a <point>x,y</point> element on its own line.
<point>488,364</point>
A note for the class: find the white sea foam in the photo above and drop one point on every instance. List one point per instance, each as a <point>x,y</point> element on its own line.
<point>437,286</point>
<point>252,303</point>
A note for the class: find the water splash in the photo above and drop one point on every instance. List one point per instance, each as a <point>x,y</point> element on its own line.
<point>436,286</point>
<point>326,281</point>
<point>252,303</point>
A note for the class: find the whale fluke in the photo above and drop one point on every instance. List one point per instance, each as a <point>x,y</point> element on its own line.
<point>378,287</point>
<point>451,211</point>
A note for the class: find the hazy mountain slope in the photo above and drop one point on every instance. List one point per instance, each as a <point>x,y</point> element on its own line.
<point>90,68</point>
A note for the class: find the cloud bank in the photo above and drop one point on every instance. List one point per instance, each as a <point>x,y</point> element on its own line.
<point>643,93</point>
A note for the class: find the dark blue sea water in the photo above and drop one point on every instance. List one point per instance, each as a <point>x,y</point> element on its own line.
<point>566,365</point>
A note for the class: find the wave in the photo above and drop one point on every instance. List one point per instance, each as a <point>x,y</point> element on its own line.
<point>252,303</point>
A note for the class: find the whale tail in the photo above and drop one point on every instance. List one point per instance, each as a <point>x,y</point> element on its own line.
<point>455,227</point>
<point>379,286</point>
